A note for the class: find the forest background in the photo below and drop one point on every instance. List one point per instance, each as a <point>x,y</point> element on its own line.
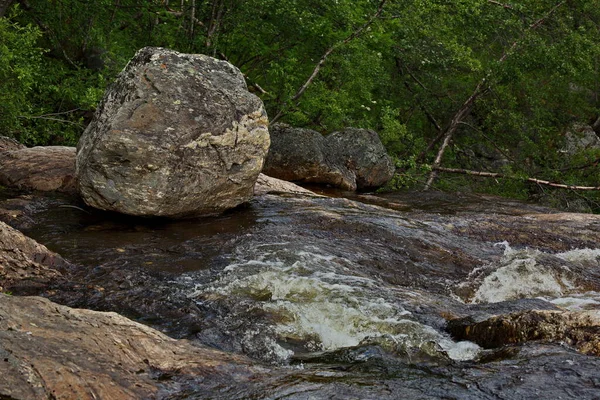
<point>467,85</point>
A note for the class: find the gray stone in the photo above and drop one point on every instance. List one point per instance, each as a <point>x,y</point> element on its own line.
<point>580,137</point>
<point>177,135</point>
<point>8,144</point>
<point>266,184</point>
<point>298,154</point>
<point>351,159</point>
<point>361,152</point>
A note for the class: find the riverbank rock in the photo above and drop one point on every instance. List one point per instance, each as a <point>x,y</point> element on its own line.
<point>25,264</point>
<point>361,152</point>
<point>351,159</point>
<point>53,351</point>
<point>8,144</point>
<point>45,168</point>
<point>266,184</point>
<point>177,135</point>
<point>580,329</point>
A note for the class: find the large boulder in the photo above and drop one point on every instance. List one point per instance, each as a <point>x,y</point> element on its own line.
<point>350,159</point>
<point>177,135</point>
<point>50,168</point>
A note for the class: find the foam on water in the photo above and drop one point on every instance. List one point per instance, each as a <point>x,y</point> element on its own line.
<point>318,303</point>
<point>579,301</point>
<point>520,274</point>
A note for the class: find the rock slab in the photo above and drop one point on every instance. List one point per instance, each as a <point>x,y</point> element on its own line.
<point>350,159</point>
<point>177,135</point>
<point>24,263</point>
<point>49,351</point>
<point>45,168</point>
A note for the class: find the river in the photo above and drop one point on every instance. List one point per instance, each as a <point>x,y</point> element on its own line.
<point>347,296</point>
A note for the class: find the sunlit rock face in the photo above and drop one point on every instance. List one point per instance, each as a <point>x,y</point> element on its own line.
<point>177,135</point>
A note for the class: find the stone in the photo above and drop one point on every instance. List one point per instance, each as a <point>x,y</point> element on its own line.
<point>580,329</point>
<point>8,144</point>
<point>177,135</point>
<point>350,159</point>
<point>298,154</point>
<point>53,351</point>
<point>45,168</point>
<point>266,184</point>
<point>25,264</point>
<point>580,137</point>
<point>361,152</point>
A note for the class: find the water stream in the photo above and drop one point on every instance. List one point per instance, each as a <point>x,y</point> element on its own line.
<point>349,296</point>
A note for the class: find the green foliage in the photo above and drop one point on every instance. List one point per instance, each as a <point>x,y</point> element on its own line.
<point>20,68</point>
<point>405,76</point>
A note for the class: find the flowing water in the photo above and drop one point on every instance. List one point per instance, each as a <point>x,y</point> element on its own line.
<point>349,297</point>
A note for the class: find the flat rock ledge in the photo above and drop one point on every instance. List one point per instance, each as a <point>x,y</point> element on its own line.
<point>49,351</point>
<point>269,185</point>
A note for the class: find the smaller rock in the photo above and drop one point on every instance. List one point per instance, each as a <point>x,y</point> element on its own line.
<point>8,144</point>
<point>24,263</point>
<point>361,152</point>
<point>580,137</point>
<point>50,168</point>
<point>580,329</point>
<point>350,159</point>
<point>266,184</point>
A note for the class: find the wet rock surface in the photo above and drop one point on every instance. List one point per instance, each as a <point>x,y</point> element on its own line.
<point>177,135</point>
<point>26,265</point>
<point>350,159</point>
<point>52,351</point>
<point>49,168</point>
<point>356,300</point>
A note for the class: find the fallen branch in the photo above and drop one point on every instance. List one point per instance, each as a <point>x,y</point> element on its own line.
<point>499,175</point>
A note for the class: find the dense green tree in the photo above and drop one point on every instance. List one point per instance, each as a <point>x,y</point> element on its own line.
<point>445,83</point>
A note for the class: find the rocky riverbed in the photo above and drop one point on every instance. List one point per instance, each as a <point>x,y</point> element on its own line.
<point>298,296</point>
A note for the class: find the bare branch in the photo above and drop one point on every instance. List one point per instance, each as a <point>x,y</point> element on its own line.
<point>465,109</point>
<point>330,50</point>
<point>507,6</point>
<point>499,175</point>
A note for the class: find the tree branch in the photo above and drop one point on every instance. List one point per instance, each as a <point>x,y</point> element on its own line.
<point>499,175</point>
<point>330,50</point>
<point>465,109</point>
